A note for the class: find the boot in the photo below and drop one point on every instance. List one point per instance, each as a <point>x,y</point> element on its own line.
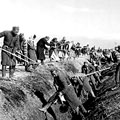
<point>11,71</point>
<point>3,71</point>
<point>42,62</point>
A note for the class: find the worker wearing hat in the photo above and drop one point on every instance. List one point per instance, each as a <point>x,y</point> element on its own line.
<point>10,44</point>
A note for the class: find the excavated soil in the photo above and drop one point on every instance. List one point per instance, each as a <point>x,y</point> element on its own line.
<point>22,96</point>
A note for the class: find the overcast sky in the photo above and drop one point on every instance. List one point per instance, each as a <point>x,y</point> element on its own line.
<point>86,18</point>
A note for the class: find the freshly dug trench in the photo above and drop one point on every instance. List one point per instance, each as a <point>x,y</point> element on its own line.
<point>21,98</point>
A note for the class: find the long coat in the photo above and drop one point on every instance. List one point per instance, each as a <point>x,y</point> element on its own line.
<point>32,52</point>
<point>10,44</point>
<point>41,47</point>
<point>65,86</point>
<point>23,46</point>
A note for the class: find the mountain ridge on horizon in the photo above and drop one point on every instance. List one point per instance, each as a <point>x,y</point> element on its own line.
<point>98,42</point>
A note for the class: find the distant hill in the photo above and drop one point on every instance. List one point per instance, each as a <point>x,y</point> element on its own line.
<point>98,42</point>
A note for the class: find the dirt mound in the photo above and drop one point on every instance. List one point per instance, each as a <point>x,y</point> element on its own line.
<point>21,98</point>
<point>17,103</point>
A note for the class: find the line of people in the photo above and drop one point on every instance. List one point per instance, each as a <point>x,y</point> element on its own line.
<point>72,88</point>
<point>75,89</point>
<point>57,50</point>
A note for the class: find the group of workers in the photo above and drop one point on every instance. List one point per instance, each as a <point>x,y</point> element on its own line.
<point>15,44</point>
<point>74,88</point>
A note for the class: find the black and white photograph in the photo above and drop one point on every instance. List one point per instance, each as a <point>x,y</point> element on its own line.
<point>60,60</point>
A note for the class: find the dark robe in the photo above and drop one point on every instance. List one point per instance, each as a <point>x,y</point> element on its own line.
<point>10,43</point>
<point>41,47</point>
<point>65,86</point>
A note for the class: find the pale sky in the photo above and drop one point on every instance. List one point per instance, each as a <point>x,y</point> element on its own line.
<point>71,18</point>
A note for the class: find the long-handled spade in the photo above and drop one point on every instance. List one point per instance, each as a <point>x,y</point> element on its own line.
<point>13,54</point>
<point>27,57</point>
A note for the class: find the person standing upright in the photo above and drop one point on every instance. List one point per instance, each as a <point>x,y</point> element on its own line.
<point>10,43</point>
<point>41,48</point>
<point>31,54</point>
<point>52,50</point>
